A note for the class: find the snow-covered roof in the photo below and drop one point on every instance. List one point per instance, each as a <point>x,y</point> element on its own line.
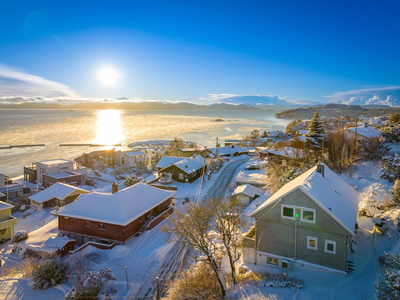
<point>120,208</point>
<point>189,149</point>
<point>289,152</point>
<point>248,190</point>
<point>368,132</point>
<point>229,150</point>
<point>4,205</point>
<point>55,161</point>
<point>337,198</point>
<point>62,175</point>
<point>134,153</point>
<point>166,161</point>
<point>58,190</point>
<point>57,242</point>
<point>190,164</point>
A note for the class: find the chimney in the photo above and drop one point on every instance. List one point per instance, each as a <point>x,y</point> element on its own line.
<point>321,169</point>
<point>114,187</point>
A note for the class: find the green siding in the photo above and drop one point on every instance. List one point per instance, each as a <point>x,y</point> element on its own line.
<point>276,235</point>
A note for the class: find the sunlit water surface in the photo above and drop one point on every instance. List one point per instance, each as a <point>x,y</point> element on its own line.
<point>53,127</point>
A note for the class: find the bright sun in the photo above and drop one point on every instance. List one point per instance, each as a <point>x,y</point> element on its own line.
<point>108,76</point>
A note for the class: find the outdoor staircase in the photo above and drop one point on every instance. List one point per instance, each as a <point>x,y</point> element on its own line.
<point>351,266</point>
<point>144,227</point>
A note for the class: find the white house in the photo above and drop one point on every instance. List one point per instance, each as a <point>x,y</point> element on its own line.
<point>131,158</point>
<point>246,193</point>
<point>53,166</point>
<point>9,189</point>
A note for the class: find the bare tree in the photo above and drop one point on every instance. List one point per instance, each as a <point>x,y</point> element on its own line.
<point>193,227</point>
<point>229,225</point>
<point>339,149</point>
<point>175,145</point>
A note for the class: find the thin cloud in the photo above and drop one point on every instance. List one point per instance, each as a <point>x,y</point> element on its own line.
<point>389,96</point>
<point>244,99</point>
<point>15,83</point>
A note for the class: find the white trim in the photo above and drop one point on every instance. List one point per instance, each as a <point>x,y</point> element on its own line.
<point>326,246</point>
<point>308,209</point>
<point>312,238</point>
<point>288,206</point>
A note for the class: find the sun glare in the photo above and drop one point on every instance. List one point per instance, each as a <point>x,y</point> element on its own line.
<point>109,130</point>
<point>108,76</point>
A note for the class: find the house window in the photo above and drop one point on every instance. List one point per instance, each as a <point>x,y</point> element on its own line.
<point>287,212</point>
<point>93,240</point>
<point>312,243</point>
<point>123,160</point>
<point>71,236</point>
<point>66,218</point>
<point>308,215</point>
<point>330,246</point>
<point>273,261</point>
<point>102,226</point>
<point>180,175</point>
<point>87,224</point>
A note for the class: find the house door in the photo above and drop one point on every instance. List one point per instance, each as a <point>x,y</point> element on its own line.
<point>85,239</point>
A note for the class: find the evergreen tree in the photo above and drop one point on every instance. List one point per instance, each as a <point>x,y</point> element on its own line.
<point>316,132</point>
<point>396,190</point>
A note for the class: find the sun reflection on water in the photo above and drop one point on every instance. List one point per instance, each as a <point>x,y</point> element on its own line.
<point>109,130</point>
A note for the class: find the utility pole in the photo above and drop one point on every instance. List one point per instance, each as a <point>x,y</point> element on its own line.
<point>158,296</point>
<point>216,147</point>
<point>126,272</point>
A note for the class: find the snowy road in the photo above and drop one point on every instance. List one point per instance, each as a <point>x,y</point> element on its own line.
<point>179,253</point>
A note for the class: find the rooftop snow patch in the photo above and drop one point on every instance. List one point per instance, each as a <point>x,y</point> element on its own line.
<point>134,153</point>
<point>368,132</point>
<point>289,152</point>
<point>230,150</point>
<point>248,190</point>
<point>4,205</point>
<point>120,208</point>
<point>330,192</point>
<point>166,161</point>
<point>58,190</point>
<point>190,164</point>
<point>54,161</point>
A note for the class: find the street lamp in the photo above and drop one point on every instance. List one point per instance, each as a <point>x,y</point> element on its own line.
<point>126,272</point>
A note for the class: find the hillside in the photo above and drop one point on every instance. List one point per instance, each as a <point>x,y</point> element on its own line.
<point>335,111</point>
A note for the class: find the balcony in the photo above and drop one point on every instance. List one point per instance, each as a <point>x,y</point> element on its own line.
<point>11,221</point>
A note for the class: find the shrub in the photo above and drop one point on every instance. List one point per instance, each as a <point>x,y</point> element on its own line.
<point>396,190</point>
<point>388,288</point>
<point>20,236</point>
<point>391,168</point>
<point>50,273</point>
<point>281,281</point>
<point>25,268</point>
<point>131,180</point>
<point>199,283</point>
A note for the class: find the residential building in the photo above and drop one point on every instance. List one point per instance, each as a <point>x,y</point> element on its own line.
<point>364,132</point>
<point>107,155</point>
<point>131,158</point>
<point>58,245</point>
<point>246,193</point>
<point>55,170</point>
<point>9,189</point>
<point>232,150</point>
<point>282,156</point>
<point>310,220</point>
<point>113,218</point>
<point>185,170</point>
<point>7,222</point>
<point>188,152</point>
<point>59,194</point>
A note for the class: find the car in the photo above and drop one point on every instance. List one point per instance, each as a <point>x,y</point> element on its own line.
<point>253,167</point>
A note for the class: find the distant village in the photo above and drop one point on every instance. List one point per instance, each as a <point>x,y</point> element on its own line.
<point>318,200</point>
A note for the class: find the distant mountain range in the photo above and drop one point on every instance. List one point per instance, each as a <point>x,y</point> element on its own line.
<point>128,105</point>
<point>337,110</point>
<point>255,100</point>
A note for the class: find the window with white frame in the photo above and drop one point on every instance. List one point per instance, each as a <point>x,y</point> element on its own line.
<point>312,243</point>
<point>287,212</point>
<point>87,224</point>
<point>180,175</point>
<point>330,246</point>
<point>308,215</point>
<point>272,261</point>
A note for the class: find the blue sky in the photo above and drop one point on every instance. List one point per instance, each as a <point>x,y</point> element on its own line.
<point>199,51</point>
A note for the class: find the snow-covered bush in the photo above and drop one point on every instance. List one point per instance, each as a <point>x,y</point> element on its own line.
<point>50,273</point>
<point>375,199</point>
<point>388,288</point>
<point>281,281</point>
<point>213,165</point>
<point>25,268</point>
<point>100,165</point>
<point>120,170</point>
<point>20,236</point>
<point>90,284</point>
<point>396,190</point>
<point>391,168</point>
<point>391,134</point>
<point>131,180</point>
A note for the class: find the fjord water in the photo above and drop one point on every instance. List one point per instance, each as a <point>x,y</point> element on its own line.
<point>53,127</point>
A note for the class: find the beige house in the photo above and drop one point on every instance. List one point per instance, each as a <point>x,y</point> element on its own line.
<point>131,158</point>
<point>311,220</point>
<point>59,194</point>
<point>7,222</point>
